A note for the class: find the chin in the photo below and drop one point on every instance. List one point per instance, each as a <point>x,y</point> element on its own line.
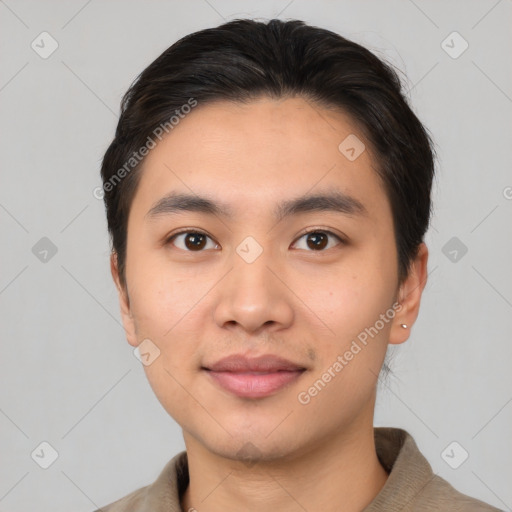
<point>250,453</point>
<point>254,445</point>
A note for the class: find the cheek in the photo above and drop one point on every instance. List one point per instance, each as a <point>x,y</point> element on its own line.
<point>169,312</point>
<point>161,296</point>
<point>353,300</point>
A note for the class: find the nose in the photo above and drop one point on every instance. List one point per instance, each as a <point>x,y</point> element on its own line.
<point>254,296</point>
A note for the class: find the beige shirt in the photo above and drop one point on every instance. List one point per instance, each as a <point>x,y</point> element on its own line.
<point>410,487</point>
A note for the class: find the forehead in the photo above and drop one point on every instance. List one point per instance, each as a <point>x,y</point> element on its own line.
<point>259,153</point>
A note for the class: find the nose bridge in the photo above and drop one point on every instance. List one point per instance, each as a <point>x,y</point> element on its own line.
<point>251,270</point>
<point>252,295</point>
<point>253,282</point>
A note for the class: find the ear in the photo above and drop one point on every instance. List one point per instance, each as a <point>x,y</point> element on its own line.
<point>409,297</point>
<point>124,302</point>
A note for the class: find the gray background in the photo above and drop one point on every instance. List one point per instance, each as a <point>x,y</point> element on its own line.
<point>69,377</point>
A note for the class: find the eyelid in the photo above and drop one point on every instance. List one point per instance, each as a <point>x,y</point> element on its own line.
<point>169,238</point>
<point>315,229</point>
<point>320,229</point>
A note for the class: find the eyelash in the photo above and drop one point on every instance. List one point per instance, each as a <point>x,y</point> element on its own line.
<point>199,232</point>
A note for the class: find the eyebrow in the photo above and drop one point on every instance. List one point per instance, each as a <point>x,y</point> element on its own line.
<point>333,201</point>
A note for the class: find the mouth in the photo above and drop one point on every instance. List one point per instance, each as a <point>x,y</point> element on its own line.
<point>253,377</point>
<point>254,384</point>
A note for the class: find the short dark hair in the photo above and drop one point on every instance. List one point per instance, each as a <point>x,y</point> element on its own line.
<point>245,59</point>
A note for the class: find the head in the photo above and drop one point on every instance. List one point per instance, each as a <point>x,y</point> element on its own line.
<point>252,117</point>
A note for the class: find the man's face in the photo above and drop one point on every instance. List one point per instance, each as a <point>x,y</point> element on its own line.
<point>255,284</point>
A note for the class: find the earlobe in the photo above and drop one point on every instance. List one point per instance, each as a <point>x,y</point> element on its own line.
<point>409,297</point>
<point>124,303</point>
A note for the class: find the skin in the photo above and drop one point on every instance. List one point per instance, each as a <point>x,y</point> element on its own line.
<point>306,305</point>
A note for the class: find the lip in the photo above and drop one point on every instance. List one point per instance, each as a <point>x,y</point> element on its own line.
<point>254,384</point>
<point>263,363</point>
<point>254,377</point>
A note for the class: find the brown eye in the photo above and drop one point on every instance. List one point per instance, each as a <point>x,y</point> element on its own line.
<point>195,241</point>
<point>318,240</point>
<point>191,241</point>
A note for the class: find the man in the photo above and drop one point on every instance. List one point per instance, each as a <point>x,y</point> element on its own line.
<point>267,195</point>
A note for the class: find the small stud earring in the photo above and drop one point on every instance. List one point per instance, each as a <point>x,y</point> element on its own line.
<point>404,326</point>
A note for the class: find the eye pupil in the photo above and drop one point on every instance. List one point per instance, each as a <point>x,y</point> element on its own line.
<point>319,240</point>
<point>195,241</point>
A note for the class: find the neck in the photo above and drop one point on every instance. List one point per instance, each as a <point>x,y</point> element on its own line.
<point>340,473</point>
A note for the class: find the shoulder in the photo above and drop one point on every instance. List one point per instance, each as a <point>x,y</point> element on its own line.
<point>441,496</point>
<point>163,495</point>
<point>412,486</point>
<point>128,503</point>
